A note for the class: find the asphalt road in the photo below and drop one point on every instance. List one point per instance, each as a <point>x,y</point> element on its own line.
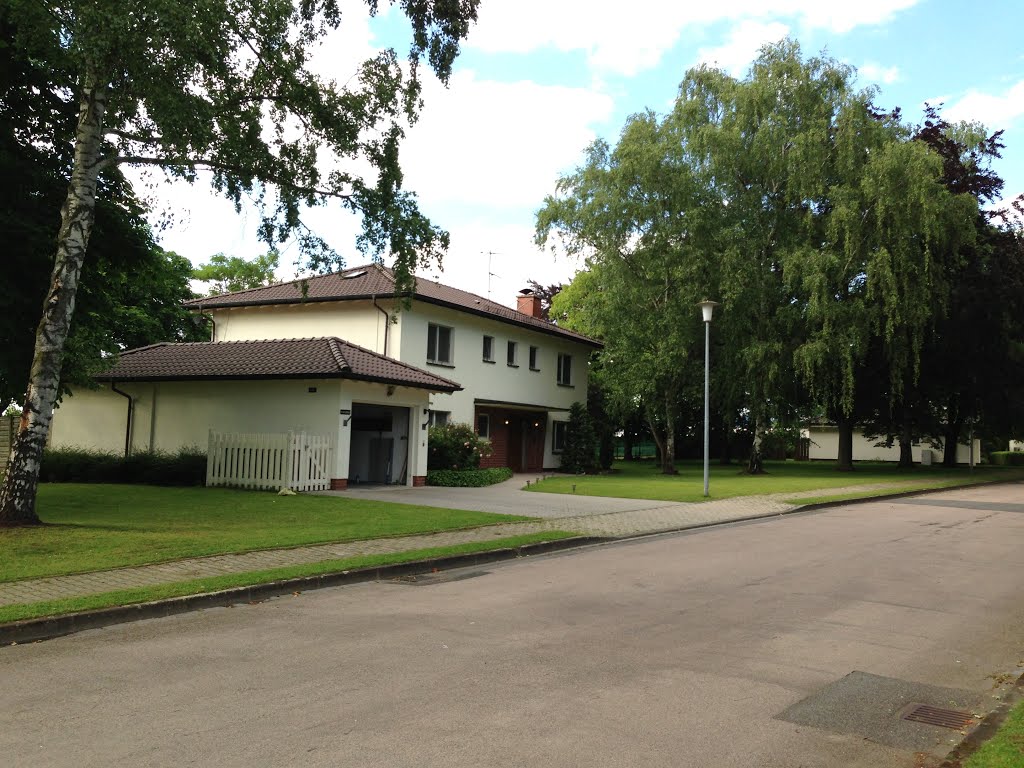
<point>681,650</point>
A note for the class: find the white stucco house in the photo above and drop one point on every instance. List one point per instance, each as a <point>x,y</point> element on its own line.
<point>824,445</point>
<point>341,356</point>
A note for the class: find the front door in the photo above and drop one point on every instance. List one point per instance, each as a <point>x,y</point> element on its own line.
<point>531,443</point>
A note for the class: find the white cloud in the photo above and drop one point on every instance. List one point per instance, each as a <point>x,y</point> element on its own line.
<point>745,40</point>
<point>874,74</point>
<point>499,144</point>
<point>634,36</point>
<point>995,111</point>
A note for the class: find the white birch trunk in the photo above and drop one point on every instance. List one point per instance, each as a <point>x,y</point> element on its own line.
<point>18,494</point>
<point>755,466</point>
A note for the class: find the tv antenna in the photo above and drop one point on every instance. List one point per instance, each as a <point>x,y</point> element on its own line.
<point>490,274</point>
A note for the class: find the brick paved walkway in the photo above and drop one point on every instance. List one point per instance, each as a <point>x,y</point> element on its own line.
<point>659,517</point>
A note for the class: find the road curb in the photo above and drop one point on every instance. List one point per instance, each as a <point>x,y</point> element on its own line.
<point>985,729</point>
<point>897,495</point>
<point>47,628</point>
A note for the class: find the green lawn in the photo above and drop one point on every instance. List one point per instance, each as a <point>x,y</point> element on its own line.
<point>642,480</point>
<point>213,584</point>
<point>1006,748</point>
<point>96,527</point>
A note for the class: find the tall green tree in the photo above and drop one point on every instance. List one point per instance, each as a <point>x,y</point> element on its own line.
<point>639,216</point>
<point>231,273</point>
<point>835,226</point>
<point>222,86</point>
<point>972,362</point>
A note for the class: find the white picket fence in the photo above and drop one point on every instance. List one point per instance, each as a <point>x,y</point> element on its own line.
<point>293,460</point>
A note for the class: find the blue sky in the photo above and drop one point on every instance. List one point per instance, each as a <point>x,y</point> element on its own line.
<point>538,80</point>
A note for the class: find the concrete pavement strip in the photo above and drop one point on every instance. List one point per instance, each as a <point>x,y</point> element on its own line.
<point>594,529</point>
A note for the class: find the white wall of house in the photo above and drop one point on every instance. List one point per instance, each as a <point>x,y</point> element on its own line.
<point>90,419</point>
<point>495,380</point>
<point>825,445</point>
<point>172,415</point>
<point>358,322</point>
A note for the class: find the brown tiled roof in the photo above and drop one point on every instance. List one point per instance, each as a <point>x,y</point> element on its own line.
<point>325,358</point>
<point>376,281</point>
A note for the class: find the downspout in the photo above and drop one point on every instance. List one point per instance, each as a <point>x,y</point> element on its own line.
<point>131,415</point>
<point>387,324</point>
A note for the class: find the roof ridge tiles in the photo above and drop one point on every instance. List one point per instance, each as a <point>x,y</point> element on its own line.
<point>124,352</point>
<point>387,273</point>
<point>333,342</point>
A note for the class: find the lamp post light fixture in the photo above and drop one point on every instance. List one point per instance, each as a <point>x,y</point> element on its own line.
<point>707,309</point>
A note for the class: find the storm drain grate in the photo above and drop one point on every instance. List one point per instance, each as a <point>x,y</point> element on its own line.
<point>945,718</point>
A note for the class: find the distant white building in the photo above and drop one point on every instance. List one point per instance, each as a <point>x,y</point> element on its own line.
<point>824,445</point>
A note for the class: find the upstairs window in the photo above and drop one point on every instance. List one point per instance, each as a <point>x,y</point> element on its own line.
<point>533,358</point>
<point>564,376</point>
<point>513,354</point>
<point>488,349</point>
<point>439,345</point>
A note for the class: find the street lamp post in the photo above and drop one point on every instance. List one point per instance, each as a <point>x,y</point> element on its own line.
<point>707,308</point>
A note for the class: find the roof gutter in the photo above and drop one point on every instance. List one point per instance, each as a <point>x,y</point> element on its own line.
<point>131,416</point>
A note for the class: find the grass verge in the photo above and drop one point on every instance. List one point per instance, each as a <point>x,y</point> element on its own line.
<point>200,586</point>
<point>1006,748</point>
<point>93,527</point>
<point>642,480</point>
<point>885,491</point>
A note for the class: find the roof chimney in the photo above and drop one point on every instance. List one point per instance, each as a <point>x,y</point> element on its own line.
<point>528,303</point>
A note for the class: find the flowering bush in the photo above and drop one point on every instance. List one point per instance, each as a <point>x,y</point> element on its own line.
<point>456,446</point>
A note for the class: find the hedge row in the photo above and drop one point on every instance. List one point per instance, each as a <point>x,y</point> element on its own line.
<point>468,478</point>
<point>1008,458</point>
<point>70,465</point>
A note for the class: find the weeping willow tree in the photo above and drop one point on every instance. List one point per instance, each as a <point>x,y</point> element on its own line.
<point>833,218</point>
<point>787,196</point>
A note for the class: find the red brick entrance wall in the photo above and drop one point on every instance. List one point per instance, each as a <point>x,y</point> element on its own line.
<point>507,439</point>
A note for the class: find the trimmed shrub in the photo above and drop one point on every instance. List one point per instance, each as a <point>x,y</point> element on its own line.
<point>1008,458</point>
<point>75,465</point>
<point>580,450</point>
<point>468,478</point>
<point>456,446</point>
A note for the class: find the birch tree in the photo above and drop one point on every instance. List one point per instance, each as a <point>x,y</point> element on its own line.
<point>223,86</point>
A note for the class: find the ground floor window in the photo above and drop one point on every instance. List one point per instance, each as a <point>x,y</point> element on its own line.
<point>483,425</point>
<point>439,418</point>
<point>558,436</point>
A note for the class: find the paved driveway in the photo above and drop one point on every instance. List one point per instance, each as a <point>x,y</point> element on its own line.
<point>506,498</point>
